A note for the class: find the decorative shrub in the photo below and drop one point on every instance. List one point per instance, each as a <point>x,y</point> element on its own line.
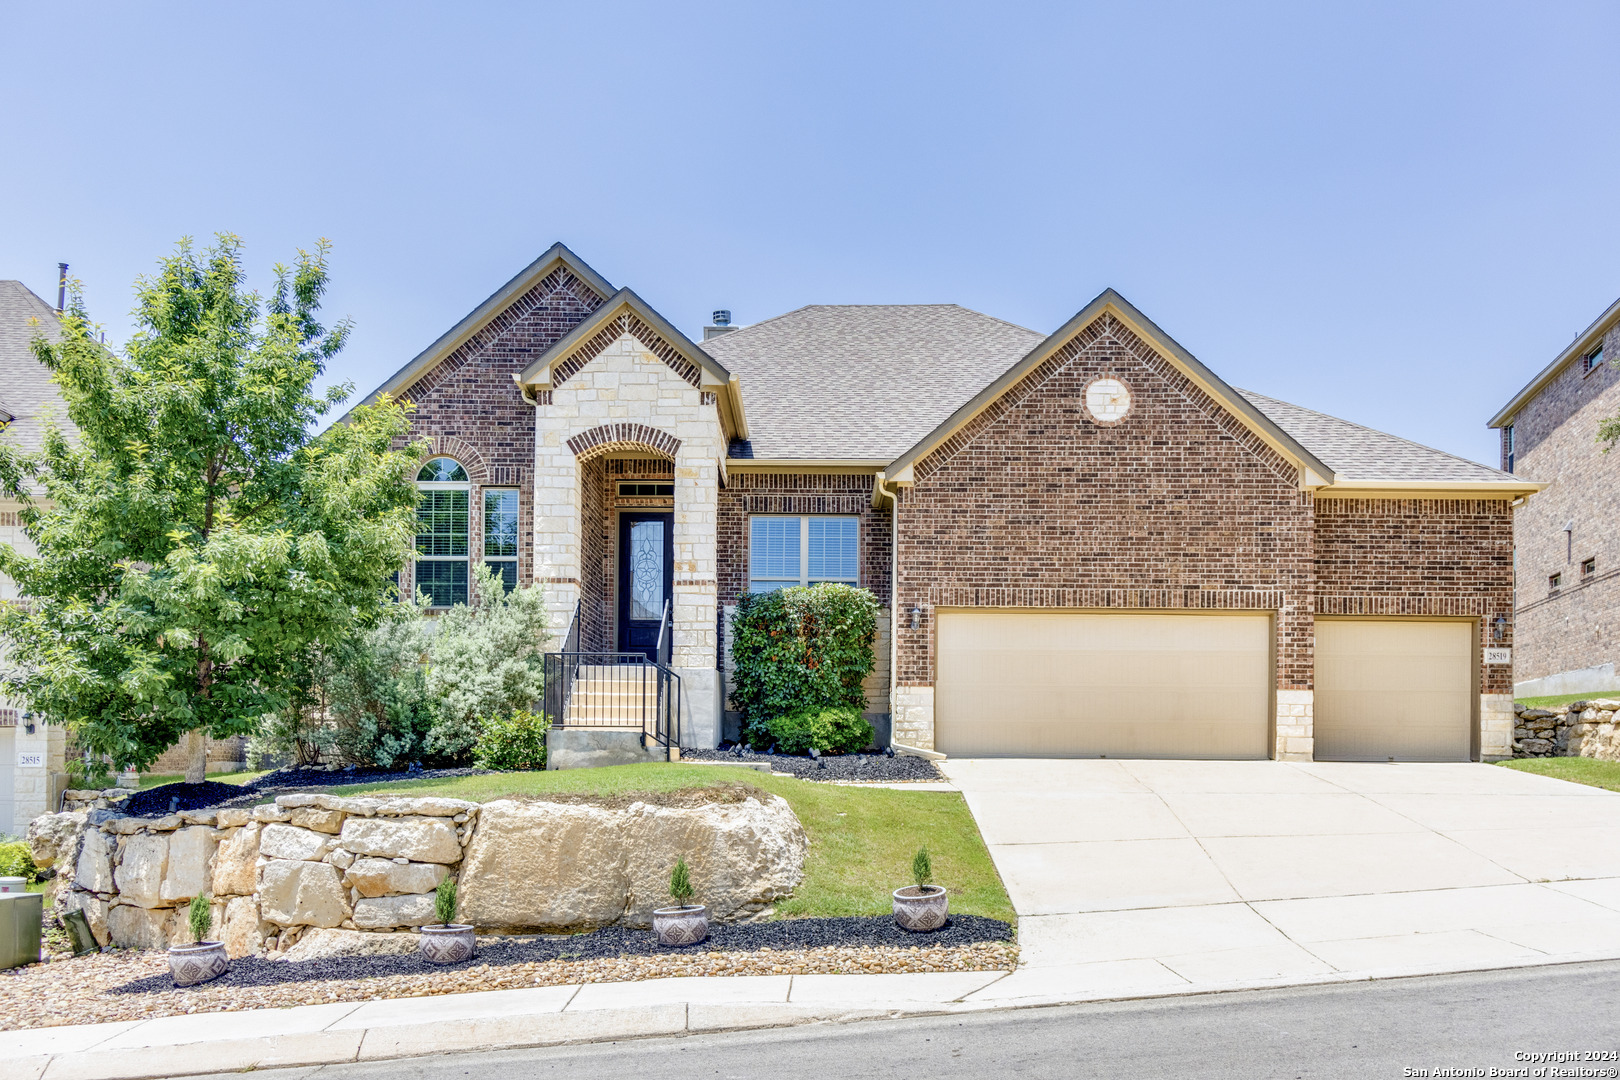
<point>680,882</point>
<point>16,860</point>
<point>800,648</point>
<point>201,917</point>
<point>514,741</point>
<point>485,660</point>
<point>839,729</point>
<point>444,901</point>
<point>922,868</point>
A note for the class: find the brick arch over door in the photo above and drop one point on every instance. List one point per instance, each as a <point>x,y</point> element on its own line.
<point>451,447</point>
<point>611,438</point>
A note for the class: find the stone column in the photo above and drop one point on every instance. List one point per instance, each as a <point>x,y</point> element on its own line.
<point>1496,721</point>
<point>1295,725</point>
<point>39,772</point>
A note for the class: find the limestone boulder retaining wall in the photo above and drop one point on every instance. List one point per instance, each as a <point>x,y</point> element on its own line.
<point>330,870</point>
<point>1579,729</point>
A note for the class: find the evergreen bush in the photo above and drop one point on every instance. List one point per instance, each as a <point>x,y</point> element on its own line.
<point>201,917</point>
<point>444,901</point>
<point>838,729</point>
<point>800,648</point>
<point>516,740</point>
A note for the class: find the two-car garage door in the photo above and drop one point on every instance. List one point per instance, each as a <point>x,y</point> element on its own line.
<point>1068,684</point>
<point>1182,685</point>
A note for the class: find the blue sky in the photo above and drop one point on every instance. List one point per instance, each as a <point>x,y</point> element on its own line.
<point>1393,212</point>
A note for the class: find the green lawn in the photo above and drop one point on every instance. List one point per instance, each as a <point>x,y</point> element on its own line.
<point>1579,770</point>
<point>1556,700</point>
<point>861,839</point>
<point>159,779</point>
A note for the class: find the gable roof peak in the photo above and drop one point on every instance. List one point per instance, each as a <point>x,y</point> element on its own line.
<point>557,255</point>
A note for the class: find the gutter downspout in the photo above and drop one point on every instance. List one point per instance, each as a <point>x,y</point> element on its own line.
<point>879,489</point>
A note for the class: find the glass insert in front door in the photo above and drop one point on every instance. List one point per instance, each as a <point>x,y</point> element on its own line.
<point>647,570</point>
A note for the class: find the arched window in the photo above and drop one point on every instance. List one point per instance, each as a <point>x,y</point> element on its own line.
<point>441,532</point>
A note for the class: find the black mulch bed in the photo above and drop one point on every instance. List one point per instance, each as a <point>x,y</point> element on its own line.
<point>157,801</point>
<point>869,767</point>
<point>609,944</point>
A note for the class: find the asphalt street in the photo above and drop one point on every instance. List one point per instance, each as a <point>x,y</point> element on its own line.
<point>1393,1028</point>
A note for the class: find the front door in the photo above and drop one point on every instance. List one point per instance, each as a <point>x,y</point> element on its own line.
<point>646,560</point>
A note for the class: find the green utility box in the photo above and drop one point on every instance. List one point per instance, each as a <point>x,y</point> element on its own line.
<point>20,916</point>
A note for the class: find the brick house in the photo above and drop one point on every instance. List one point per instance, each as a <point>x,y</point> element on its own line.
<point>1567,555</point>
<point>1084,543</point>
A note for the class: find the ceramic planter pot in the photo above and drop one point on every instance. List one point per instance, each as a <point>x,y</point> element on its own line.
<point>687,924</point>
<point>193,964</point>
<point>442,944</point>
<point>920,907</point>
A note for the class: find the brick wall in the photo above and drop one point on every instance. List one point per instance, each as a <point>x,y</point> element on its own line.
<point>799,493</point>
<point>1419,557</point>
<point>1036,505</point>
<point>1576,625</point>
<point>471,409</point>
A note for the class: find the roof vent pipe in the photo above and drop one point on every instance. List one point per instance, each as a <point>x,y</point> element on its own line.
<point>61,287</point>
<point>721,324</point>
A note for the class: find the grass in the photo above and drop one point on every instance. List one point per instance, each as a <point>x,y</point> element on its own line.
<point>159,779</point>
<point>1555,700</point>
<point>1577,770</point>
<point>861,839</point>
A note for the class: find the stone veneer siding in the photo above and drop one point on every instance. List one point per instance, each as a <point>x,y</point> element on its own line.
<point>1034,505</point>
<point>469,408</point>
<point>1578,624</point>
<point>629,382</point>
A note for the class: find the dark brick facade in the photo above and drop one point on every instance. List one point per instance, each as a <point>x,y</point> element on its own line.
<point>1444,557</point>
<point>1033,504</point>
<point>1575,624</point>
<point>471,410</point>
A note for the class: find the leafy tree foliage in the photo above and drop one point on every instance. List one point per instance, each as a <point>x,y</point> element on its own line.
<point>196,538</point>
<point>800,648</point>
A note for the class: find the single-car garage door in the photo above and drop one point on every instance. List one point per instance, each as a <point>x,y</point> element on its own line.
<point>1394,689</point>
<point>1065,684</point>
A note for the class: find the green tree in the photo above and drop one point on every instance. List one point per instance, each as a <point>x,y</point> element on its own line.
<point>196,538</point>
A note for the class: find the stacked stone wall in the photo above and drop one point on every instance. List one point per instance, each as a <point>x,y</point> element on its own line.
<point>1579,729</point>
<point>310,862</point>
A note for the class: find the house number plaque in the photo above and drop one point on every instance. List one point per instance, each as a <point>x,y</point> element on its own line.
<point>1499,656</point>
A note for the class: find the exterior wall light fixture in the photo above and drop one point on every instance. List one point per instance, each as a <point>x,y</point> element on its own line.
<point>1499,631</point>
<point>916,617</point>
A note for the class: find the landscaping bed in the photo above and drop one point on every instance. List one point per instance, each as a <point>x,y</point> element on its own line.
<point>90,989</point>
<point>873,768</point>
<point>155,801</point>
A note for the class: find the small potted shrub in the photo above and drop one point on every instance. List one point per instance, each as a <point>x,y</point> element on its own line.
<point>447,941</point>
<point>686,923</point>
<point>202,959</point>
<point>921,905</point>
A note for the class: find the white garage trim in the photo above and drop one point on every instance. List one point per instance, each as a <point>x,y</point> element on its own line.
<point>1397,689</point>
<point>1166,684</point>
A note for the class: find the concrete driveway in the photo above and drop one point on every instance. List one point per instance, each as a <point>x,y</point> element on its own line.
<point>1165,876</point>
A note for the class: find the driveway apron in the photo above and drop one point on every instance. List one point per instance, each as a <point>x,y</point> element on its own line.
<point>1140,876</point>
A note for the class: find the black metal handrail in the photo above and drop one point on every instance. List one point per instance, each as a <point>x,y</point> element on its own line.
<point>615,690</point>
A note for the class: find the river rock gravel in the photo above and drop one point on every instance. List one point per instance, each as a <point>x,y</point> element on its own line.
<point>868,768</point>
<point>81,990</point>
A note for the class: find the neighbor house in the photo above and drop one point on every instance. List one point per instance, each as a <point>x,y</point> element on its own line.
<point>30,751</point>
<point>1567,587</point>
<point>1085,543</point>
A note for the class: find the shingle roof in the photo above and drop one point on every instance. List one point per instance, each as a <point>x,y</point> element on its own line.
<point>26,390</point>
<point>1354,452</point>
<point>862,381</point>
